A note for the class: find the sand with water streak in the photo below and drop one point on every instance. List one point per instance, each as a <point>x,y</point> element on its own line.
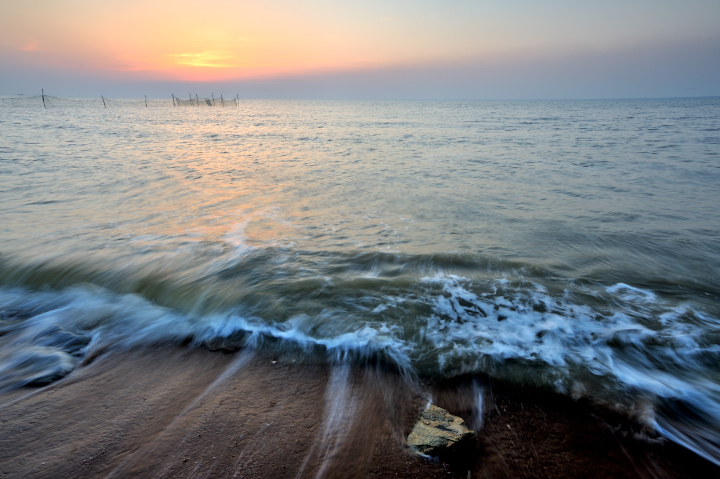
<point>184,412</point>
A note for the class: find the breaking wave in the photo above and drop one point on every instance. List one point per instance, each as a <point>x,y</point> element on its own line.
<point>625,346</point>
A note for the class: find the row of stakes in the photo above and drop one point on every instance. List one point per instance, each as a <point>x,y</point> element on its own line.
<point>197,100</point>
<point>175,100</point>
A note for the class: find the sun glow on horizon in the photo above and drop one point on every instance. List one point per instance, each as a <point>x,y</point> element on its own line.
<point>205,59</point>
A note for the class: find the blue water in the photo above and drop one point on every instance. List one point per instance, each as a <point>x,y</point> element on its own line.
<point>570,245</point>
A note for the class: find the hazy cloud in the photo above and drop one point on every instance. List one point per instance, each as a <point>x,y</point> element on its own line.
<point>31,46</point>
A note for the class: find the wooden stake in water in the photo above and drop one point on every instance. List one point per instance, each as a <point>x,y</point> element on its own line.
<point>222,103</point>
<point>103,99</point>
<point>197,100</point>
<point>173,97</point>
<point>42,92</point>
<point>213,97</point>
<point>145,101</point>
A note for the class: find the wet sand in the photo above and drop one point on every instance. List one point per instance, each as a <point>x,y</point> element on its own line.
<point>180,412</point>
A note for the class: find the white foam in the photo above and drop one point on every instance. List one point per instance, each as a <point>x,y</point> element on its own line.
<point>129,321</point>
<point>502,328</point>
<point>662,362</point>
<point>630,293</point>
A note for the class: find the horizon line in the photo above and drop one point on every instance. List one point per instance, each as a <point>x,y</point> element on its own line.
<point>140,98</point>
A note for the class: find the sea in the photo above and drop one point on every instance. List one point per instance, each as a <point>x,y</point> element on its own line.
<point>571,246</point>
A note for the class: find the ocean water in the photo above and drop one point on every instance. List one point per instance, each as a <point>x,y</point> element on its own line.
<point>569,245</point>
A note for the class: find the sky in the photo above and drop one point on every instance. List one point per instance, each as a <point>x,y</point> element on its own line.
<point>391,49</point>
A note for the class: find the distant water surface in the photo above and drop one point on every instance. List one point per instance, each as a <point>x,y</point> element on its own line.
<point>572,245</point>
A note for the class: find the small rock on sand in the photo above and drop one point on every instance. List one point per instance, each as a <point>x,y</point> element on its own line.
<point>438,433</point>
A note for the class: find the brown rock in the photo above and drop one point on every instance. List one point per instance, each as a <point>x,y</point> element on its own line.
<point>438,433</point>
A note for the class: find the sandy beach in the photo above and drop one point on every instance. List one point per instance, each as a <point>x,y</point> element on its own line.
<point>184,412</point>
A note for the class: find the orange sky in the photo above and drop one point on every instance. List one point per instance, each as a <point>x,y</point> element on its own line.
<point>211,40</point>
<point>217,40</point>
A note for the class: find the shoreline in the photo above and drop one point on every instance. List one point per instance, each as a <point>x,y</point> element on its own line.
<point>181,412</point>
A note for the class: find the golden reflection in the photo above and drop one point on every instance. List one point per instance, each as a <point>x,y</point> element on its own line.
<point>229,193</point>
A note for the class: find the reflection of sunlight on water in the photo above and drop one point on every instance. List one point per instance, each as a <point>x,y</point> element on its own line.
<point>242,230</point>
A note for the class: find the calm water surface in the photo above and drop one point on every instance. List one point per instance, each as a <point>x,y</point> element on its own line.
<point>566,244</point>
